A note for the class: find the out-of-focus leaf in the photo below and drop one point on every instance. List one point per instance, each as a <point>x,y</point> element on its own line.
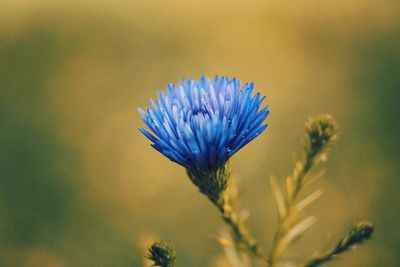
<point>279,197</point>
<point>308,200</point>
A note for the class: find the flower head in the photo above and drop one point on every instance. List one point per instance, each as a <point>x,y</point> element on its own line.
<point>201,124</point>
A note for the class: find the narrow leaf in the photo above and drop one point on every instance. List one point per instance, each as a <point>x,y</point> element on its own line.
<point>289,187</point>
<point>308,200</point>
<point>294,233</point>
<point>299,229</point>
<point>224,242</point>
<point>278,197</point>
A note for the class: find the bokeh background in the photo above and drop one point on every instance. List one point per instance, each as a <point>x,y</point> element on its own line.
<point>80,186</point>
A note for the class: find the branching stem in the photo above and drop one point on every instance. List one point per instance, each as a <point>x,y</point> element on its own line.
<point>299,182</point>
<point>240,231</point>
<point>360,232</point>
<point>321,131</point>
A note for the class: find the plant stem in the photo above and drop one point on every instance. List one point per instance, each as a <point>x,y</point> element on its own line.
<point>240,231</point>
<point>215,186</point>
<point>361,231</point>
<point>284,225</point>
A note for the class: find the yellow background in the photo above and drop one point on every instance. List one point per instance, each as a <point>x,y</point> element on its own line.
<point>80,186</point>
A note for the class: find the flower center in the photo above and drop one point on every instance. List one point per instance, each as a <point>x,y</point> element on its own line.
<point>202,110</point>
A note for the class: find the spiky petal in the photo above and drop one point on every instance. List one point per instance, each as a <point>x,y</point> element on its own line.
<point>201,124</point>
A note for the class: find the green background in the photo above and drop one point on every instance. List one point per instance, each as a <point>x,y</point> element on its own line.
<point>80,186</point>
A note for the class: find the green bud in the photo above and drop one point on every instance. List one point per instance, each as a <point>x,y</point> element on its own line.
<point>211,183</point>
<point>163,254</point>
<point>361,231</point>
<point>321,131</point>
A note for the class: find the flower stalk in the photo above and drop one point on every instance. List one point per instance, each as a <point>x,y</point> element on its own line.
<point>200,125</point>
<point>214,185</point>
<point>241,234</point>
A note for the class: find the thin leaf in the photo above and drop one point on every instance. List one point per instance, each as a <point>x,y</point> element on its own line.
<point>278,197</point>
<point>230,252</point>
<point>295,232</point>
<point>223,242</point>
<point>289,187</point>
<point>313,178</point>
<point>308,200</point>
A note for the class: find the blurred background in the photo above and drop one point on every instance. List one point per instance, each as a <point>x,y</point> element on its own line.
<point>80,186</point>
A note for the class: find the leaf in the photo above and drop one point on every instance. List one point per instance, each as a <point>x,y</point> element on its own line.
<point>278,197</point>
<point>308,200</point>
<point>298,168</point>
<point>294,233</point>
<point>313,178</point>
<point>224,242</point>
<point>231,254</point>
<point>289,187</point>
<point>300,228</point>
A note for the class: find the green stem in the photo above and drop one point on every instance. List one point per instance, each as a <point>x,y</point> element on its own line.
<point>361,231</point>
<point>215,186</point>
<point>321,131</point>
<point>321,259</point>
<point>240,231</point>
<point>281,231</point>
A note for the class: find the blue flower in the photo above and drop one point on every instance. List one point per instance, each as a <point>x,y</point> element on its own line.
<point>201,124</point>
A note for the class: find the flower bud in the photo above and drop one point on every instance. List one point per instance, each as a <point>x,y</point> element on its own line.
<point>321,131</point>
<point>163,254</point>
<point>362,230</point>
<point>211,183</point>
